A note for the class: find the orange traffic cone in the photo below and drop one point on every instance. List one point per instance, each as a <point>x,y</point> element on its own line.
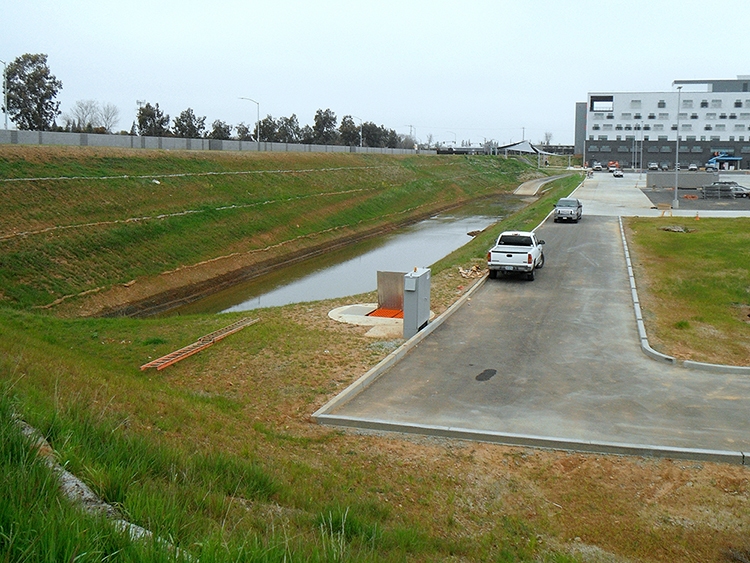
<point>697,217</point>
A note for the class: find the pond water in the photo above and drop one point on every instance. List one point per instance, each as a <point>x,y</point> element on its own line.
<point>353,270</point>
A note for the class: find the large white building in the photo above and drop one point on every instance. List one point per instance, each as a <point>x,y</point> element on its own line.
<point>636,128</point>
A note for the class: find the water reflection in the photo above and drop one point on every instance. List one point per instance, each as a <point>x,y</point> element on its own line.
<point>353,270</point>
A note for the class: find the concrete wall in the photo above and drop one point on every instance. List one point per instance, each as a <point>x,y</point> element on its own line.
<point>14,137</point>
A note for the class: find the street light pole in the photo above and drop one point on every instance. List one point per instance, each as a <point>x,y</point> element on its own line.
<point>676,202</point>
<point>257,123</point>
<point>5,92</point>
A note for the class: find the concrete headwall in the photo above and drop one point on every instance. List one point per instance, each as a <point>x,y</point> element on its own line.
<point>14,137</point>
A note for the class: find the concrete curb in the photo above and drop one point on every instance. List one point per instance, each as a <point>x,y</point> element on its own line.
<point>509,439</point>
<point>394,357</point>
<point>646,347</point>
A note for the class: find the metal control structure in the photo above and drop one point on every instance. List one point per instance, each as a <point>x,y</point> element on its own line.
<point>416,301</point>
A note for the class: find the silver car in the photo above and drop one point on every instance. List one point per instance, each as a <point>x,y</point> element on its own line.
<point>568,209</point>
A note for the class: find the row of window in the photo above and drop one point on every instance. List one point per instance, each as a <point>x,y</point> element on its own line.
<point>688,138</point>
<point>655,149</point>
<point>661,127</point>
<point>710,116</point>
<point>688,103</point>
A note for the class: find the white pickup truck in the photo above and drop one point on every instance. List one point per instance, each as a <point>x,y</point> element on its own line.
<point>516,251</point>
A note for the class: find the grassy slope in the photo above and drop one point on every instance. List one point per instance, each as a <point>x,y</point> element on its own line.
<point>217,452</point>
<point>110,221</point>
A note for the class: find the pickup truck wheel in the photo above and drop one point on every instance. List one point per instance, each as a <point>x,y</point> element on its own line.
<point>540,265</point>
<point>493,274</point>
<point>530,275</point>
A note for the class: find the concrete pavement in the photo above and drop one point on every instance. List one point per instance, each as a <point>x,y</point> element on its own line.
<point>556,362</point>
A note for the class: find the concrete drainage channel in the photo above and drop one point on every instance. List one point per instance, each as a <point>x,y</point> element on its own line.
<point>324,414</point>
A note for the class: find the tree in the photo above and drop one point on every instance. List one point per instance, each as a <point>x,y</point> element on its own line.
<point>83,116</point>
<point>110,116</point>
<point>152,121</point>
<point>244,132</point>
<point>288,130</point>
<point>267,129</point>
<point>324,129</point>
<point>188,125</point>
<point>349,131</point>
<point>32,89</point>
<point>547,138</point>
<point>220,130</point>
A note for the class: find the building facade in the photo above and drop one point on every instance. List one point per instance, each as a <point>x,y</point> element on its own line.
<point>638,128</point>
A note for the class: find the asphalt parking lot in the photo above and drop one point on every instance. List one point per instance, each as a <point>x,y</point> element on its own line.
<point>557,362</point>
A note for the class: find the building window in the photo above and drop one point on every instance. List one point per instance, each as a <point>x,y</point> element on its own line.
<point>596,127</point>
<point>687,104</point>
<point>664,116</point>
<point>731,138</point>
<point>623,148</point>
<point>732,116</point>
<point>629,138</point>
<point>645,137</point>
<point>628,127</point>
<point>606,148</point>
<point>704,103</point>
<point>682,116</point>
<point>690,138</point>
<point>708,127</point>
<point>652,149</point>
<point>703,137</point>
<point>618,127</point>
<point>723,116</point>
<point>716,103</point>
<point>745,116</point>
<point>721,127</point>
<point>710,116</point>
<point>715,138</point>
<point>739,127</point>
<point>607,127</point>
<point>663,138</point>
<point>686,126</point>
<point>647,127</point>
<point>661,104</point>
<point>742,138</point>
<point>693,116</point>
<point>602,138</point>
<point>652,116</point>
<point>637,116</point>
<point>745,149</point>
<point>591,137</point>
<point>598,116</point>
<point>610,116</point>
<point>658,127</point>
<point>618,138</point>
<point>626,116</point>
<point>666,148</point>
<point>738,103</point>
<point>697,148</point>
<point>635,104</point>
<point>593,148</point>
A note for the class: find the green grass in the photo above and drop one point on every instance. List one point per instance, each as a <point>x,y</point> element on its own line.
<point>700,283</point>
<point>61,237</point>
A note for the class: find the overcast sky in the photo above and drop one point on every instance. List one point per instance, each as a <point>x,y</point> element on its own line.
<point>464,70</point>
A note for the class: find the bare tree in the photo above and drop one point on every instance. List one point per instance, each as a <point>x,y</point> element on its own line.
<point>84,115</point>
<point>547,138</point>
<point>109,116</point>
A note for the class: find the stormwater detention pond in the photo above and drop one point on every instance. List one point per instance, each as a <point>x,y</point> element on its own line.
<point>353,270</point>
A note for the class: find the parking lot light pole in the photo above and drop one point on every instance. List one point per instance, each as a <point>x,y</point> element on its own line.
<point>676,202</point>
<point>5,92</point>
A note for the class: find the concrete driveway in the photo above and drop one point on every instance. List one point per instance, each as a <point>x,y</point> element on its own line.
<point>556,362</point>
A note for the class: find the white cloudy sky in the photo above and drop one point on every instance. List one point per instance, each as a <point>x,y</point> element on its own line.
<point>463,69</point>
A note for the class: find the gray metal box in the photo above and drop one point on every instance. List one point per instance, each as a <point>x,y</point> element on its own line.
<point>416,301</point>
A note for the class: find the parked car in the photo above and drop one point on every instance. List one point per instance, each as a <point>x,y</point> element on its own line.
<point>617,173</point>
<point>568,209</point>
<point>740,191</point>
<point>597,167</point>
<point>653,166</point>
<point>693,167</point>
